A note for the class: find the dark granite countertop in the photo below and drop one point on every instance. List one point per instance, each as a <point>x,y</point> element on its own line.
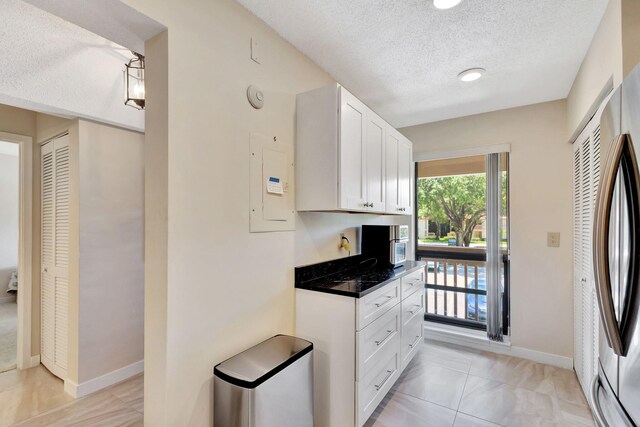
<point>352,277</point>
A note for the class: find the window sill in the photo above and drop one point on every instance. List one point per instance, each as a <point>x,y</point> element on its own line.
<point>463,336</point>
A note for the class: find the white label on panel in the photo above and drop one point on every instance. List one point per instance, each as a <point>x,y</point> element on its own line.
<point>274,185</point>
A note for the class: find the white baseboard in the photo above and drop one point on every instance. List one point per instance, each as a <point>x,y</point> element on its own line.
<point>35,361</point>
<point>481,342</point>
<point>103,381</point>
<point>7,298</point>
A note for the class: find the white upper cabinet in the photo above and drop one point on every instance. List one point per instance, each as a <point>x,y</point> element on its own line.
<point>404,175</point>
<point>342,156</point>
<point>374,162</point>
<point>398,164</point>
<point>353,151</point>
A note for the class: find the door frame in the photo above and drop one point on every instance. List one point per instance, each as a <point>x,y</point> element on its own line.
<point>24,358</point>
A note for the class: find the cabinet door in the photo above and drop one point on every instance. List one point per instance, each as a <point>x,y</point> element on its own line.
<point>404,176</point>
<point>352,170</point>
<point>391,170</point>
<point>375,152</point>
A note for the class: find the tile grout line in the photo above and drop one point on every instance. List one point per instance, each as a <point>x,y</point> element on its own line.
<point>462,394</point>
<point>480,418</point>
<point>424,400</point>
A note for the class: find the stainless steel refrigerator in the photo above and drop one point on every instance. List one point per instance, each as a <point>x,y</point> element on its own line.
<point>615,393</point>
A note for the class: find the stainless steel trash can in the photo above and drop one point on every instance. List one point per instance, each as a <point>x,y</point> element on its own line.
<point>268,385</point>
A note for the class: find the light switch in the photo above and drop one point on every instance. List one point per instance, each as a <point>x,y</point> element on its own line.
<point>553,239</point>
<point>254,50</point>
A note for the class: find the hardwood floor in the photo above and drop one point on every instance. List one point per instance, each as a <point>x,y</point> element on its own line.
<point>34,397</point>
<point>448,385</point>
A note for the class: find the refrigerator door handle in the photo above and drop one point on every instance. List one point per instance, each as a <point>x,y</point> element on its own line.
<point>601,244</point>
<point>598,416</point>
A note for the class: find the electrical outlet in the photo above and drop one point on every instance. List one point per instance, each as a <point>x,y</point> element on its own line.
<point>553,239</point>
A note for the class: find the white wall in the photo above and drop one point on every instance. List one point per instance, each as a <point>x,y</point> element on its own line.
<point>225,289</point>
<point>9,196</point>
<point>111,249</point>
<point>540,201</point>
<point>317,236</point>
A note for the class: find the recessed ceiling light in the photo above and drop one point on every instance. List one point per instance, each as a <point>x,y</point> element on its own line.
<point>446,4</point>
<point>471,74</point>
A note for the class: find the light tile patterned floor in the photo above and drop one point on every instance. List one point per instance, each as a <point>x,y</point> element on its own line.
<point>34,397</point>
<point>449,385</point>
<point>445,385</point>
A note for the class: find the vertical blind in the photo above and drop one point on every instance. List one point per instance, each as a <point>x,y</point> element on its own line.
<point>494,281</point>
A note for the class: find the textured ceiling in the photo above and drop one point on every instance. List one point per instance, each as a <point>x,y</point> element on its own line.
<point>110,19</point>
<point>53,66</point>
<point>402,57</point>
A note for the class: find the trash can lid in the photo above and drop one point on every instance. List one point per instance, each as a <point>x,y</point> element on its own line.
<point>257,364</point>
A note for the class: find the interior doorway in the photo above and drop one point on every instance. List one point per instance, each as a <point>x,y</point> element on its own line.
<point>15,251</point>
<point>9,225</point>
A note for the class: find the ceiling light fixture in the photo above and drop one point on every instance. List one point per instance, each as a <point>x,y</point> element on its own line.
<point>134,94</point>
<point>471,74</point>
<point>446,4</point>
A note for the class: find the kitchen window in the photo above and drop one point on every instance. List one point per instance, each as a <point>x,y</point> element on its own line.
<point>462,233</point>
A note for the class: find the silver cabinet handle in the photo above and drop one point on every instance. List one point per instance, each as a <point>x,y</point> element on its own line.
<point>412,312</point>
<point>415,342</point>
<point>46,270</point>
<point>601,240</point>
<point>385,339</point>
<point>389,374</point>
<point>380,304</point>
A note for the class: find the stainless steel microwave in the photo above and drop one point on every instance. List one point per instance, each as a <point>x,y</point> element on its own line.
<point>389,244</point>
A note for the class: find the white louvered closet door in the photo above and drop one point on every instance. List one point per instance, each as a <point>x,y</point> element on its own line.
<point>55,175</point>
<point>586,178</point>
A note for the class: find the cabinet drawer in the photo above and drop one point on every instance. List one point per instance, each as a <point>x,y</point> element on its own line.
<point>412,335</point>
<point>377,340</point>
<point>372,389</point>
<point>377,303</point>
<point>412,282</point>
<point>413,307</point>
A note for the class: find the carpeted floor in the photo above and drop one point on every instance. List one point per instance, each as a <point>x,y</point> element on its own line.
<point>8,335</point>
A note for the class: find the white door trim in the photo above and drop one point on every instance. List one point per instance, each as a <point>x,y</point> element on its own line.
<point>25,247</point>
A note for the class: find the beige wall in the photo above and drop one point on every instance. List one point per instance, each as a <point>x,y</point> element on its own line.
<point>225,289</point>
<point>156,228</point>
<point>630,34</point>
<point>18,121</point>
<point>540,201</point>
<point>602,63</point>
<point>111,246</point>
<point>9,181</point>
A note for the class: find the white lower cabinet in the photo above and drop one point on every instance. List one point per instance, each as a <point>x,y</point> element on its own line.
<point>361,345</point>
<point>376,384</point>
<point>377,340</point>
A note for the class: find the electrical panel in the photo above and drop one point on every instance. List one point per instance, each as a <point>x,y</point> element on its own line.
<point>272,188</point>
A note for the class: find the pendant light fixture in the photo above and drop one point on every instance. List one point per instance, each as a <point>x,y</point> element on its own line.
<point>134,94</point>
